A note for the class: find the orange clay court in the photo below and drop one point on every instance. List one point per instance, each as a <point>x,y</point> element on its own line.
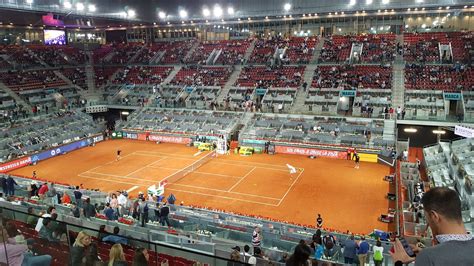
<point>347,198</point>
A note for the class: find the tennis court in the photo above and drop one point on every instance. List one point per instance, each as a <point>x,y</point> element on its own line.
<point>255,185</point>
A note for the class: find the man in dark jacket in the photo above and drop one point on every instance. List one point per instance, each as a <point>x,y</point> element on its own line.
<point>3,184</point>
<point>89,209</point>
<point>164,212</point>
<point>11,186</point>
<point>350,247</point>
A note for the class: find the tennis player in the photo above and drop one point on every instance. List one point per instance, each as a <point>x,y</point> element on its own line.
<point>291,168</point>
<point>357,161</point>
<point>118,155</point>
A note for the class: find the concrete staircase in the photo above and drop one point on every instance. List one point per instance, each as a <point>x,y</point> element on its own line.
<point>136,54</point>
<point>398,85</point>
<point>298,104</point>
<point>68,81</point>
<point>171,76</point>
<point>317,50</point>
<point>19,101</point>
<point>389,129</point>
<point>249,51</point>
<point>43,63</point>
<point>90,73</point>
<point>230,83</point>
<point>191,51</point>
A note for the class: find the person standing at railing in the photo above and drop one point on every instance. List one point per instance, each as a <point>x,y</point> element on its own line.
<point>256,237</point>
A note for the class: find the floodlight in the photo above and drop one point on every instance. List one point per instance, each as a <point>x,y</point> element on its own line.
<point>29,2</point>
<point>287,7</point>
<point>131,13</point>
<point>206,12</point>
<point>369,2</point>
<point>80,6</point>
<point>352,2</point>
<point>162,15</point>
<point>67,5</point>
<point>183,13</point>
<point>217,11</point>
<point>230,10</point>
<point>92,8</point>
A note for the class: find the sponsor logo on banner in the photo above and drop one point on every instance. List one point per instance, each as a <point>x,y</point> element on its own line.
<point>130,135</point>
<point>98,138</point>
<point>310,152</point>
<point>464,131</point>
<point>169,139</point>
<point>15,164</point>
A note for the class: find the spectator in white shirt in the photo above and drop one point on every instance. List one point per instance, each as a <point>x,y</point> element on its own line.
<point>48,213</point>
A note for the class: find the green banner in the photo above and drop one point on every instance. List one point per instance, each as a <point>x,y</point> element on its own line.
<point>261,91</point>
<point>117,135</point>
<point>452,96</point>
<point>347,93</point>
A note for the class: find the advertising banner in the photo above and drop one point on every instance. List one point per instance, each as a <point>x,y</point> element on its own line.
<point>169,139</point>
<point>117,135</point>
<point>10,166</point>
<point>464,131</point>
<point>309,152</point>
<point>98,138</point>
<point>60,150</point>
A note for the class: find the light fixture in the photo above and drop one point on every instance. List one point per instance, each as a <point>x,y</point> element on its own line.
<point>287,7</point>
<point>439,132</point>
<point>92,8</point>
<point>230,10</point>
<point>206,12</point>
<point>448,7</point>
<point>217,11</point>
<point>162,15</point>
<point>183,13</point>
<point>385,2</point>
<point>410,130</point>
<point>352,2</point>
<point>80,6</point>
<point>29,2</point>
<point>368,2</point>
<point>249,19</point>
<point>266,17</point>
<point>131,13</point>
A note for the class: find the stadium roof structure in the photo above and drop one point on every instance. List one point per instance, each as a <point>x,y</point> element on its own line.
<point>149,11</point>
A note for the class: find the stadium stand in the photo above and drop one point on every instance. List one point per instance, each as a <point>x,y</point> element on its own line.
<point>271,77</point>
<point>45,131</point>
<point>221,52</point>
<point>30,80</point>
<point>202,76</point>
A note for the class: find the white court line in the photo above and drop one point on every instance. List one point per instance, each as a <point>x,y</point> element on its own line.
<point>238,182</point>
<point>190,192</point>
<point>247,165</point>
<point>132,189</point>
<point>294,182</point>
<point>165,154</point>
<point>197,172</point>
<point>220,190</point>
<point>150,164</point>
<point>172,157</point>
<point>197,153</point>
<point>224,197</point>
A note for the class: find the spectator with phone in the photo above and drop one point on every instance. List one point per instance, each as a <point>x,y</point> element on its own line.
<point>455,246</point>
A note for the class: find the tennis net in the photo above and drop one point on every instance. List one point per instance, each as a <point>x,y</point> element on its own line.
<point>188,169</point>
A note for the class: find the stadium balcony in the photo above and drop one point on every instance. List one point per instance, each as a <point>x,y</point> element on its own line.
<point>30,80</point>
<point>56,56</point>
<point>142,75</point>
<point>19,56</point>
<point>228,52</point>
<point>378,99</point>
<point>425,105</point>
<point>6,103</point>
<point>468,97</point>
<point>278,99</point>
<point>45,131</point>
<point>202,76</point>
<point>268,77</point>
<point>298,50</point>
<point>180,121</point>
<point>52,98</point>
<point>444,78</point>
<point>203,98</point>
<point>449,164</point>
<point>425,47</point>
<point>375,48</point>
<point>351,77</point>
<point>310,130</point>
